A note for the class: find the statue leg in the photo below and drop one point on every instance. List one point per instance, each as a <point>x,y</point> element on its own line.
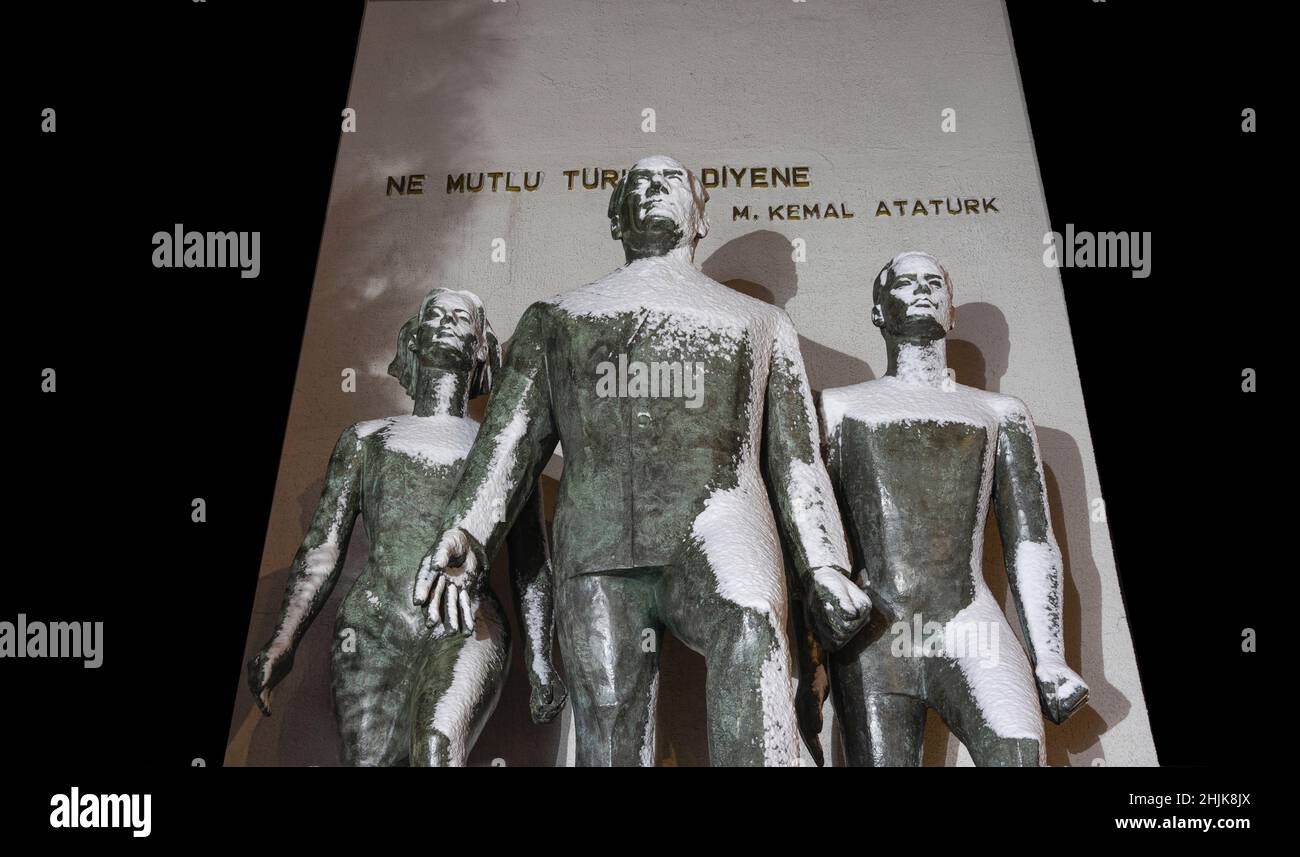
<point>610,639</point>
<point>889,734</point>
<point>458,682</point>
<point>878,700</point>
<point>743,637</point>
<point>371,685</point>
<point>986,694</point>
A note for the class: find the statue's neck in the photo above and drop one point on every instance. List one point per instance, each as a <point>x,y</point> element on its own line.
<point>442,393</point>
<point>682,255</point>
<point>918,361</point>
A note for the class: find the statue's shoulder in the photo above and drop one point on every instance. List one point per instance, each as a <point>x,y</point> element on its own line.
<point>537,321</point>
<point>716,294</point>
<point>739,310</point>
<point>438,440</point>
<point>854,392</point>
<point>1001,408</point>
<point>352,441</point>
<point>366,428</point>
<point>541,310</point>
<point>1008,409</point>
<point>850,401</point>
<point>592,299</point>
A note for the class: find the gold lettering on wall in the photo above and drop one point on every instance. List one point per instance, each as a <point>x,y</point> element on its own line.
<point>724,176</point>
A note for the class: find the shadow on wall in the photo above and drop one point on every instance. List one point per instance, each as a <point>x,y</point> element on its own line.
<point>1083,630</point>
<point>759,264</point>
<point>372,283</point>
<point>978,346</point>
<point>357,293</point>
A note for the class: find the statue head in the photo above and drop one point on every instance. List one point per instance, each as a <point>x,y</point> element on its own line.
<point>912,298</point>
<point>450,332</point>
<point>656,207</point>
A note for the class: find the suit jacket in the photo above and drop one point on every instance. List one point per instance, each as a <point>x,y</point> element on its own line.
<point>641,462</point>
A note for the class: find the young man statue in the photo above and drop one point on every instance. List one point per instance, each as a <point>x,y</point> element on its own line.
<point>916,459</point>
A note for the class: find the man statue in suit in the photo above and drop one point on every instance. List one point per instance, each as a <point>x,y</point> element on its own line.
<point>672,397</point>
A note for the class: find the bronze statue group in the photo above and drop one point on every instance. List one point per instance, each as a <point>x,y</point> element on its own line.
<point>727,517</point>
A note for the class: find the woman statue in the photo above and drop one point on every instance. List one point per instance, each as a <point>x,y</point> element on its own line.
<point>411,685</point>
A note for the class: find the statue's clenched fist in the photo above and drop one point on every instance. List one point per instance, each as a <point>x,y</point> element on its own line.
<point>1060,690</point>
<point>265,670</point>
<point>546,699</point>
<point>450,578</point>
<point>837,607</point>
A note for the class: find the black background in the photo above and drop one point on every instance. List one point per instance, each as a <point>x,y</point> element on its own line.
<point>1136,117</point>
<point>175,384</point>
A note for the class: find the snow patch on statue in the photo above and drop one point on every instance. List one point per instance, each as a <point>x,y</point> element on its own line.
<point>473,678</point>
<point>780,732</point>
<point>435,441</point>
<point>489,504</point>
<point>648,735</point>
<point>539,633</point>
<point>1005,699</point>
<point>1038,571</point>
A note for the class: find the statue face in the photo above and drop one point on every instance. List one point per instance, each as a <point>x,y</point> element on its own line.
<point>659,209</point>
<point>917,300</point>
<point>447,337</point>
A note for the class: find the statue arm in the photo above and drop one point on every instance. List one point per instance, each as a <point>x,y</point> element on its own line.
<point>806,508</point>
<point>511,450</point>
<point>514,444</point>
<point>532,581</point>
<point>1033,560</point>
<point>316,567</point>
<point>830,445</point>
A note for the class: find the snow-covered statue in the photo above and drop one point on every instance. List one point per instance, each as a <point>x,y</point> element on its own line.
<point>670,395</point>
<point>407,690</point>
<point>916,459</point>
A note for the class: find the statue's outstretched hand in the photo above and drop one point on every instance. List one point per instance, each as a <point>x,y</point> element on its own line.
<point>450,578</point>
<point>265,670</point>
<point>1061,691</point>
<point>837,607</point>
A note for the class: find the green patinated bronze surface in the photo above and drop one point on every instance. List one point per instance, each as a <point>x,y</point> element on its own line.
<point>406,690</point>
<point>663,520</point>
<point>916,460</point>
